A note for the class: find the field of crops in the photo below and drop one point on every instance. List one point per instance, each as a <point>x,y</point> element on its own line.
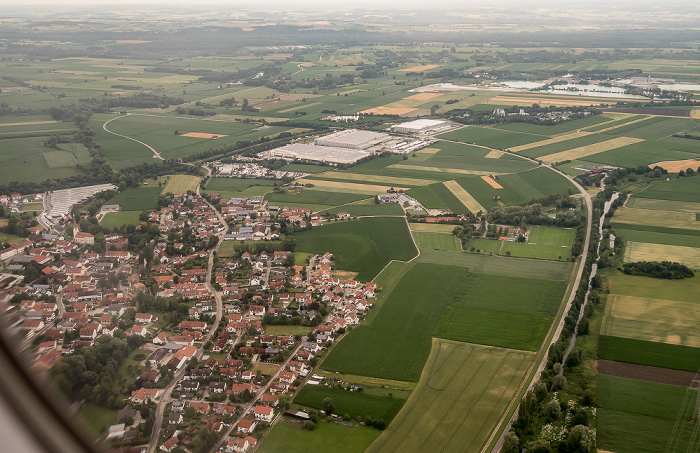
<point>491,137</point>
<point>143,198</point>
<point>642,251</point>
<point>636,416</point>
<point>445,415</point>
<point>365,245</point>
<point>314,198</point>
<point>681,189</point>
<point>649,353</point>
<point>181,184</point>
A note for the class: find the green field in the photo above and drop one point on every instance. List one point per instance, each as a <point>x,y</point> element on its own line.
<point>491,137</point>
<point>447,302</point>
<point>141,199</point>
<point>555,129</point>
<point>286,330</point>
<point>636,416</point>
<point>362,208</point>
<point>506,266</point>
<point>364,246</point>
<point>681,189</point>
<point>649,353</point>
<point>443,414</point>
<point>117,219</point>
<point>227,186</point>
<point>633,233</point>
<point>356,404</point>
<point>436,241</point>
<point>685,290</point>
<point>286,438</point>
<point>97,417</point>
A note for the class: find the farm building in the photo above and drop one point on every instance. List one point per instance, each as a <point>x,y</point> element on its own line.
<point>422,126</point>
<point>313,153</point>
<point>352,139</point>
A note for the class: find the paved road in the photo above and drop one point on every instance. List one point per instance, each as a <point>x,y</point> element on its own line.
<point>156,154</point>
<point>165,398</point>
<point>249,406</point>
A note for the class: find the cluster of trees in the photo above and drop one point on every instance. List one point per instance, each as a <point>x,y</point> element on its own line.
<point>88,373</point>
<point>536,115</point>
<point>534,213</point>
<point>194,111</point>
<point>658,269</point>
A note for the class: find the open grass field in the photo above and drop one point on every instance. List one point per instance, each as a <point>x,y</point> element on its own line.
<point>667,236</point>
<point>665,219</point>
<point>653,128</point>
<point>290,438</point>
<point>663,355</point>
<point>491,137</point>
<point>642,251</point>
<point>497,265</point>
<point>560,128</point>
<point>237,184</point>
<point>181,184</point>
<point>141,199</point>
<point>349,187</point>
<point>286,330</point>
<point>462,392</point>
<point>589,150</point>
<point>636,416</point>
<point>537,251</point>
<point>661,321</point>
<point>437,241</point>
<point>678,290</point>
<point>28,160</point>
<point>356,404</point>
<point>97,417</point>
<point>365,245</point>
<point>663,205</point>
<point>4,237</point>
<point>681,189</point>
<point>117,219</point>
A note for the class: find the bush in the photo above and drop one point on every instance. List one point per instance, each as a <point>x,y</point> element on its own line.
<point>309,425</point>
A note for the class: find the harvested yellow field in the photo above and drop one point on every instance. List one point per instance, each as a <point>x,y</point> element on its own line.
<point>549,141</point>
<point>426,67</point>
<point>424,96</point>
<point>202,135</point>
<point>430,151</point>
<point>663,321</point>
<point>4,222</point>
<point>432,227</point>
<point>503,67</point>
<point>27,123</point>
<point>656,217</point>
<point>299,107</point>
<point>695,114</point>
<point>494,154</point>
<point>643,251</point>
<point>445,170</point>
<point>491,182</point>
<point>464,197</point>
<point>675,166</point>
<point>180,184</point>
<point>377,178</point>
<point>362,189</point>
<point>589,150</point>
<point>385,110</point>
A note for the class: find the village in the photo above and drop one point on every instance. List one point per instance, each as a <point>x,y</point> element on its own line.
<point>195,319</point>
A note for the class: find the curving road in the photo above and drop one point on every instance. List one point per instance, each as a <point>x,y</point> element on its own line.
<point>156,155</point>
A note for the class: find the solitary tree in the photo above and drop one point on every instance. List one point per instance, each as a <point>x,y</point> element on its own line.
<point>328,406</point>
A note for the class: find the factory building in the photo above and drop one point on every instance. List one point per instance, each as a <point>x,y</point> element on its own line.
<point>312,153</point>
<point>353,139</point>
<point>422,126</point>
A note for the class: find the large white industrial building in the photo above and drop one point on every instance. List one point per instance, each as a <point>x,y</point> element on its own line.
<point>353,139</point>
<point>314,153</point>
<point>422,126</point>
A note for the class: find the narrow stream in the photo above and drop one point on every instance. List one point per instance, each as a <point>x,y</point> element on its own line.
<point>594,270</point>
